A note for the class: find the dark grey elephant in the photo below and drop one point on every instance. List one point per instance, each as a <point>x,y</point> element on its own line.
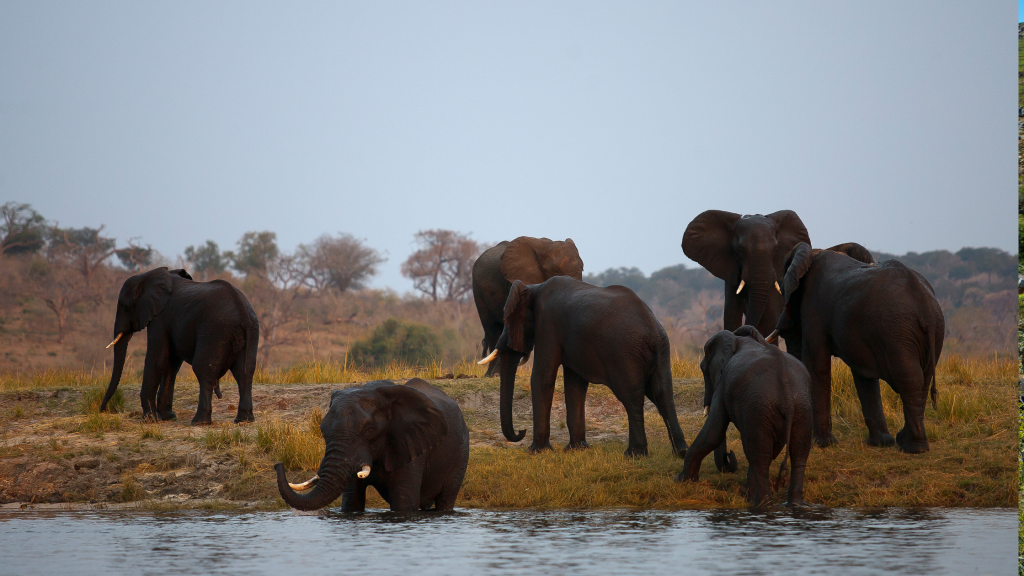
<point>601,335</point>
<point>747,253</point>
<point>409,442</point>
<point>882,320</point>
<point>766,394</point>
<point>530,260</point>
<point>210,325</point>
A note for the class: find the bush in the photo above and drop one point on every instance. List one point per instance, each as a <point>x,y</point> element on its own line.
<point>397,341</point>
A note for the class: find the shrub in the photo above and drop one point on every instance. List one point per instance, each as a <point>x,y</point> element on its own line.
<point>397,341</point>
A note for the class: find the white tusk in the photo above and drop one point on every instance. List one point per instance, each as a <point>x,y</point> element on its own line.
<point>305,484</point>
<point>740,289</point>
<point>706,408</point>
<point>777,288</point>
<point>524,360</point>
<point>490,358</point>
<point>119,334</point>
<point>364,472</point>
<point>773,337</point>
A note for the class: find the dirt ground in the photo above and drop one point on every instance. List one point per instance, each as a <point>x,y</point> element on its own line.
<point>55,454</point>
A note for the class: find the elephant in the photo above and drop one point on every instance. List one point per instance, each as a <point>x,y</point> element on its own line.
<point>882,320</point>
<point>210,325</point>
<point>602,335</point>
<point>766,394</point>
<point>409,442</point>
<point>746,252</point>
<point>532,260</point>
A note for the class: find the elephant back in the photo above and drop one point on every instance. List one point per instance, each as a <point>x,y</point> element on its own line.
<point>534,260</point>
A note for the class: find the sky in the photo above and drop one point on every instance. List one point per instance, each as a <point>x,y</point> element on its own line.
<point>612,123</point>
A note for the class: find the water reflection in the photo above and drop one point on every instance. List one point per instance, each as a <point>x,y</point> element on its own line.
<point>804,541</point>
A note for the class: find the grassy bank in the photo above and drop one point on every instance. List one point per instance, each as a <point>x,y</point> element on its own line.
<point>55,438</point>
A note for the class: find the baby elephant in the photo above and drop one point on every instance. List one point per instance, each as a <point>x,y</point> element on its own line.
<point>409,442</point>
<point>766,394</point>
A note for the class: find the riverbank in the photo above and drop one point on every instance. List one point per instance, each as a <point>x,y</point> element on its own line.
<point>56,450</point>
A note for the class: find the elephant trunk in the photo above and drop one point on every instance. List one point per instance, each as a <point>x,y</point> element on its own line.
<point>509,364</point>
<point>761,290</point>
<point>329,486</point>
<point>120,352</point>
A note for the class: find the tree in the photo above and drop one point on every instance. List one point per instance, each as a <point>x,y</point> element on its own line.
<point>442,267</point>
<point>341,262</point>
<point>135,258</point>
<point>61,287</point>
<point>23,230</point>
<point>83,248</point>
<point>272,295</point>
<point>256,250</point>
<point>207,259</point>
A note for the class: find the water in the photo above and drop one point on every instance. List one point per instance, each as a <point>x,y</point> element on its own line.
<point>893,541</point>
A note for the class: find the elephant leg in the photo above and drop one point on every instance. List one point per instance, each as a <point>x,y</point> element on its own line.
<point>912,439</point>
<point>732,313</point>
<point>799,449</point>
<point>166,393</point>
<point>631,394</point>
<point>871,405</point>
<point>404,486</point>
<point>491,335</point>
<point>659,390</point>
<point>353,499</point>
<point>244,391</point>
<point>819,365</point>
<point>759,449</point>
<point>204,411</point>
<point>711,435</point>
<point>542,391</point>
<point>153,374</point>
<point>725,459</point>
<point>575,408</point>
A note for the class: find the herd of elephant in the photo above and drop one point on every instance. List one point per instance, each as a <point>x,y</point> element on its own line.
<point>410,442</point>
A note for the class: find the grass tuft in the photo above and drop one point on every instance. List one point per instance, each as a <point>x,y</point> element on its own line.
<point>297,448</point>
<point>92,398</point>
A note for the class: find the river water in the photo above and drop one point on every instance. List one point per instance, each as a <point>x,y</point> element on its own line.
<point>821,541</point>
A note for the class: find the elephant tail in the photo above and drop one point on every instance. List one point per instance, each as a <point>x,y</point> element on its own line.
<point>931,359</point>
<point>252,342</point>
<point>788,417</point>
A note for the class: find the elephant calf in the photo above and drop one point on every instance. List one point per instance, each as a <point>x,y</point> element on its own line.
<point>766,394</point>
<point>409,442</point>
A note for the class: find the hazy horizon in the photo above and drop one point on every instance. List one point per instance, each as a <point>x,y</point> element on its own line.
<point>615,125</point>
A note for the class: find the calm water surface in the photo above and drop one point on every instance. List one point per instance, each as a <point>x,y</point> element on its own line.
<point>933,541</point>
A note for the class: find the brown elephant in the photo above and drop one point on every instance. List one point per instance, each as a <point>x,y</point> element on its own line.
<point>529,260</point>
<point>747,252</point>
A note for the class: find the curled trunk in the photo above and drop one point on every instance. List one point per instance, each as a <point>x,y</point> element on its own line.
<point>120,352</point>
<point>327,490</point>
<point>509,365</point>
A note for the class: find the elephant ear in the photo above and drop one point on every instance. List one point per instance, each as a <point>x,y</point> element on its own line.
<point>514,317</point>
<point>151,294</point>
<point>520,262</point>
<point>789,231</point>
<point>708,242</point>
<point>561,259</point>
<point>416,425</point>
<point>797,262</point>
<point>181,273</point>
<point>749,332</point>
<point>855,251</point>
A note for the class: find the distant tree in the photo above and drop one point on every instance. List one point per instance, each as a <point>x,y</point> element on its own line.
<point>988,261</point>
<point>61,287</point>
<point>83,248</point>
<point>442,267</point>
<point>272,294</point>
<point>207,259</point>
<point>23,230</point>
<point>256,250</point>
<point>135,258</point>
<point>341,262</point>
<point>397,341</point>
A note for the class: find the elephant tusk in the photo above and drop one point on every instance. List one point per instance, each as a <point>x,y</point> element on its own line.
<point>490,358</point>
<point>742,284</point>
<point>119,334</point>
<point>773,337</point>
<point>777,288</point>
<point>706,408</point>
<point>364,472</point>
<point>524,360</point>
<point>305,484</point>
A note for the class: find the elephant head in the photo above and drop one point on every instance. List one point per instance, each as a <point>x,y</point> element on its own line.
<point>141,299</point>
<point>747,252</point>
<point>380,424</point>
<point>534,260</point>
<point>718,350</point>
<point>796,265</point>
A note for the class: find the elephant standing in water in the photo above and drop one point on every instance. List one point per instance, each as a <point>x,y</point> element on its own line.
<point>210,325</point>
<point>882,320</point>
<point>766,394</point>
<point>409,442</point>
<point>531,260</point>
<point>747,252</point>
<point>602,335</point>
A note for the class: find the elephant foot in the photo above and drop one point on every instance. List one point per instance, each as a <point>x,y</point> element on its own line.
<point>246,416</point>
<point>202,420</point>
<point>682,477</point>
<point>150,416</point>
<point>882,440</point>
<point>636,452</point>
<point>581,445</point>
<point>799,504</point>
<point>168,415</point>
<point>910,445</point>
<point>535,448</point>
<point>729,465</point>
<point>825,441</point>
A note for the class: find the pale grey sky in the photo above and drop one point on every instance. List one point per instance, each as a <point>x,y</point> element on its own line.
<point>889,124</point>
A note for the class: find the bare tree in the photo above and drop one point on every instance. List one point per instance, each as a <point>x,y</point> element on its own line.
<point>135,258</point>
<point>61,287</point>
<point>442,267</point>
<point>273,295</point>
<point>22,231</point>
<point>82,248</point>
<point>342,262</point>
